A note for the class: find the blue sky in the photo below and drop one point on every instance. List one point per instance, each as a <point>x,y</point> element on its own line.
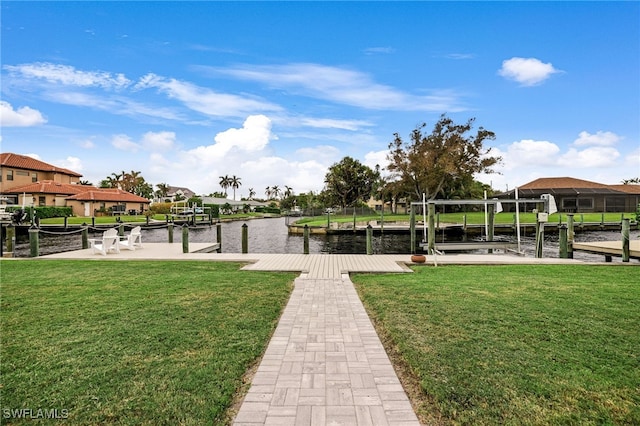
<point>276,92</point>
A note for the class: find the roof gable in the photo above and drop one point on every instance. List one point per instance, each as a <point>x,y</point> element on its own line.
<point>8,159</point>
<point>561,183</point>
<point>49,187</point>
<point>108,194</point>
<point>79,192</point>
<point>628,188</point>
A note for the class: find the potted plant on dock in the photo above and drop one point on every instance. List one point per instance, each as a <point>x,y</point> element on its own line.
<point>418,258</point>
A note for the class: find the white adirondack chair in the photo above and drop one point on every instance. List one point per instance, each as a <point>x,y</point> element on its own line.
<point>133,240</point>
<point>110,242</point>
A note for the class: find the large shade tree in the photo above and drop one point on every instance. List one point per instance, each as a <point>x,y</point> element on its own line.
<point>132,182</point>
<point>348,182</point>
<point>434,163</point>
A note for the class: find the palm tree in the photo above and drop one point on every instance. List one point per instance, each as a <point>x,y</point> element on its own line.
<point>234,182</point>
<point>288,191</point>
<point>115,180</point>
<point>225,183</point>
<point>163,190</point>
<point>252,193</point>
<point>267,192</point>
<point>130,181</point>
<point>275,190</point>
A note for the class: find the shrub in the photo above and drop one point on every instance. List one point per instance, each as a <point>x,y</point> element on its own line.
<point>48,212</point>
<point>215,210</point>
<point>261,209</point>
<point>160,208</point>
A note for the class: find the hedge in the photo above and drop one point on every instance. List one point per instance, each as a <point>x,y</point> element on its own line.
<point>46,212</point>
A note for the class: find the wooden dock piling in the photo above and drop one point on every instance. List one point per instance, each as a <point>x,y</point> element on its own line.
<point>625,240</point>
<point>34,241</point>
<point>185,239</point>
<point>245,239</point>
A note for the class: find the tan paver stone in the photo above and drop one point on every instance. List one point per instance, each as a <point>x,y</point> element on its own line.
<point>327,365</point>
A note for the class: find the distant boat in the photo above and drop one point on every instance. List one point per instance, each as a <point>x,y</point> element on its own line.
<point>295,211</point>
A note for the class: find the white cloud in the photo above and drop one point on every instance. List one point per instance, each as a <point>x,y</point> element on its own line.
<point>22,117</point>
<point>71,163</point>
<point>253,136</point>
<point>302,176</point>
<point>207,101</point>
<point>343,86</point>
<point>377,50</point>
<point>326,154</point>
<point>599,139</point>
<point>593,157</point>
<point>526,71</point>
<point>589,157</point>
<point>69,76</point>
<point>245,152</point>
<point>633,160</point>
<point>114,105</point>
<point>459,56</point>
<point>328,123</point>
<point>373,158</point>
<point>158,141</point>
<point>124,143</point>
<point>529,152</point>
<point>87,143</point>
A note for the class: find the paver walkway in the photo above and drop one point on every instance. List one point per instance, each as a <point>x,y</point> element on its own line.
<point>325,365</point>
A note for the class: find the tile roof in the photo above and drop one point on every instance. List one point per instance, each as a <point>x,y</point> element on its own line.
<point>561,182</point>
<point>104,194</point>
<point>8,159</point>
<point>628,189</point>
<point>78,192</point>
<point>49,187</point>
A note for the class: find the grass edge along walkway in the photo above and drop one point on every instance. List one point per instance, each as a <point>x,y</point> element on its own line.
<point>154,342</point>
<point>528,344</point>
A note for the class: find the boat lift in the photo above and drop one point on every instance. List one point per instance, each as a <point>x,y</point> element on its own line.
<point>492,206</point>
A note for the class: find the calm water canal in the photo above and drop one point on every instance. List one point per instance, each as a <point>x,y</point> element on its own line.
<point>271,236</point>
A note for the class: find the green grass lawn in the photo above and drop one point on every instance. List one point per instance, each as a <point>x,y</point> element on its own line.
<point>79,220</point>
<point>133,342</point>
<point>544,344</point>
<point>471,217</point>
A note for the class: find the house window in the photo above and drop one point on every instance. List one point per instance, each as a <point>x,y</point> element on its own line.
<point>585,203</point>
<point>42,201</point>
<point>569,204</point>
<point>9,174</point>
<point>34,177</point>
<point>615,204</point>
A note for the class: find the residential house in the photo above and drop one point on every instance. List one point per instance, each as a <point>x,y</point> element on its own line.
<point>235,205</point>
<point>84,200</point>
<point>19,170</point>
<point>581,196</point>
<point>106,200</point>
<point>30,182</point>
<point>177,193</point>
